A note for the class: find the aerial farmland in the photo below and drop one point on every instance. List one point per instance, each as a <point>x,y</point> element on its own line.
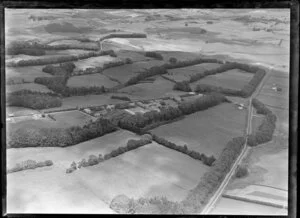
<point>137,111</point>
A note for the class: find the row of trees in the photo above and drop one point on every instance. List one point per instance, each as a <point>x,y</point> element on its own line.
<point>29,164</point>
<point>124,98</point>
<point>153,54</point>
<point>249,88</point>
<point>182,86</point>
<point>59,137</point>
<point>25,47</point>
<point>211,180</point>
<point>94,160</point>
<point>60,59</point>
<point>124,35</point>
<point>138,121</point>
<point>33,99</point>
<point>266,129</point>
<point>157,70</point>
<point>184,149</point>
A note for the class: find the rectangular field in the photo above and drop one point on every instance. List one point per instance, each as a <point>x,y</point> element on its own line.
<point>184,73</point>
<point>206,131</point>
<point>93,62</point>
<point>125,72</point>
<point>159,88</point>
<point>27,74</point>
<point>91,80</point>
<point>231,79</point>
<point>27,86</point>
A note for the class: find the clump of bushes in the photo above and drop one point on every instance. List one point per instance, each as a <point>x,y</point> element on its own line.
<point>143,75</point>
<point>173,60</point>
<point>64,69</point>
<point>182,86</point>
<point>183,149</point>
<point>29,164</point>
<point>211,180</point>
<point>153,54</point>
<point>33,99</point>
<point>128,61</point>
<point>124,98</point>
<point>241,172</point>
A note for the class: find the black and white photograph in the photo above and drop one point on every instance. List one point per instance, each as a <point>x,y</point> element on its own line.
<point>147,111</point>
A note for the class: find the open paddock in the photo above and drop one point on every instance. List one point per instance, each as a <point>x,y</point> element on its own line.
<point>184,73</point>
<point>27,86</point>
<point>91,80</point>
<point>125,72</point>
<point>25,74</point>
<point>94,62</point>
<point>159,88</point>
<point>206,131</point>
<point>231,79</point>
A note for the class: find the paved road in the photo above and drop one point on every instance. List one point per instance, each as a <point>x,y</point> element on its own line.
<point>214,199</point>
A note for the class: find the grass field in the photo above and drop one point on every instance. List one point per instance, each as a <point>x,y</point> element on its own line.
<point>206,131</point>
<point>63,120</point>
<point>256,121</point>
<point>125,72</point>
<point>231,79</point>
<point>91,80</point>
<point>151,170</point>
<point>27,86</point>
<point>93,62</point>
<point>134,56</point>
<point>184,73</point>
<point>20,111</point>
<point>27,74</point>
<point>159,88</point>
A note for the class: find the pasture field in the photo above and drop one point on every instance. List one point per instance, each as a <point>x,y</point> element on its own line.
<point>63,157</point>
<point>184,73</point>
<point>66,52</point>
<point>159,88</point>
<point>93,62</point>
<point>27,86</point>
<point>151,170</point>
<point>125,72</point>
<point>25,74</point>
<point>86,101</point>
<point>62,120</point>
<point>41,188</point>
<point>20,111</point>
<point>90,81</point>
<point>134,56</point>
<point>206,131</point>
<point>231,79</point>
<point>225,206</point>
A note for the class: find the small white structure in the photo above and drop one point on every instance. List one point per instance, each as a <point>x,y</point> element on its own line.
<point>10,115</point>
<point>240,108</point>
<point>87,110</point>
<point>129,111</point>
<point>110,106</point>
<point>192,93</point>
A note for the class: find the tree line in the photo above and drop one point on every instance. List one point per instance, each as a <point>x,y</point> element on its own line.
<point>153,54</point>
<point>59,137</point>
<point>266,129</point>
<point>124,35</point>
<point>94,160</point>
<point>211,180</point>
<point>184,149</point>
<point>29,164</point>
<point>33,99</point>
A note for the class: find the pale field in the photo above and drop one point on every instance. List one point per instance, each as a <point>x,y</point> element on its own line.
<point>27,86</point>
<point>231,79</point>
<point>184,73</point>
<point>94,62</point>
<point>91,80</point>
<point>236,207</point>
<point>20,111</point>
<point>136,173</point>
<point>206,131</point>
